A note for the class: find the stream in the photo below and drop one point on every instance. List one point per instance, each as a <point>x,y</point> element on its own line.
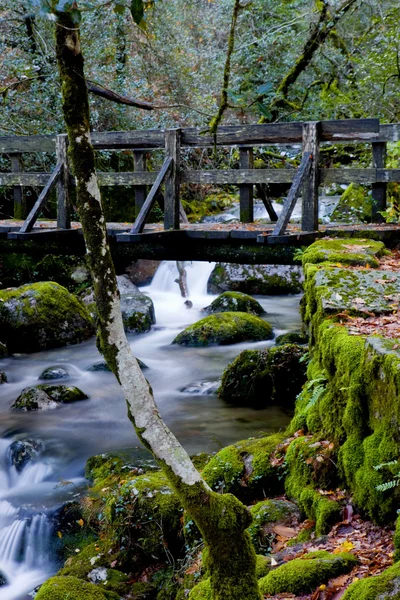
<point>184,382</point>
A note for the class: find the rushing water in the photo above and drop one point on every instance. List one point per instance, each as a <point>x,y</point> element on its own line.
<point>183,381</point>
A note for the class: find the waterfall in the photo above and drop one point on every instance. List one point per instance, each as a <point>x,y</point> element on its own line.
<point>197,278</point>
<point>24,530</point>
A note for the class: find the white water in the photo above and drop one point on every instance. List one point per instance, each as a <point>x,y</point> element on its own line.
<point>72,433</point>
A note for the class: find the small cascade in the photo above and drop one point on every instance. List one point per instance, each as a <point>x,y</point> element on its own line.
<point>197,278</point>
<point>24,530</point>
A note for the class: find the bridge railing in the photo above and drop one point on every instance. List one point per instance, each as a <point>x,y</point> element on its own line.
<point>311,135</point>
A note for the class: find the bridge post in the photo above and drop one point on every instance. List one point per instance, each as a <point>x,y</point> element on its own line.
<point>378,189</point>
<point>246,190</point>
<point>309,216</point>
<point>172,181</point>
<point>63,201</point>
<point>18,191</point>
<point>139,161</point>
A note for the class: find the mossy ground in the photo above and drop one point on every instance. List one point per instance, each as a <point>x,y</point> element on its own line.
<point>381,587</point>
<point>71,588</point>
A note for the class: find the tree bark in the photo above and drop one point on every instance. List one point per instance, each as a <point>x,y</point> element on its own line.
<point>222,519</point>
<point>182,279</point>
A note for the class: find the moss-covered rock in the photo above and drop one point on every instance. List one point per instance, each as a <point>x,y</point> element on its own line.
<point>245,469</point>
<point>344,251</point>
<point>212,204</point>
<point>265,515</point>
<point>303,575</point>
<point>202,591</point>
<point>60,588</point>
<point>137,312</point>
<point>44,397</point>
<point>385,586</point>
<point>41,316</point>
<point>233,302</point>
<point>256,279</point>
<point>225,328</point>
<point>293,337</point>
<point>263,377</point>
<point>355,205</point>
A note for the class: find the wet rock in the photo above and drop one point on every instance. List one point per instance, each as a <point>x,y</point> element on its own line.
<point>3,377</point>
<point>47,397</point>
<point>3,350</point>
<point>3,580</point>
<point>102,366</point>
<point>234,301</point>
<point>225,328</point>
<point>125,285</point>
<point>201,387</point>
<point>41,316</point>
<point>54,373</point>
<point>256,279</point>
<point>137,309</point>
<point>98,575</point>
<point>355,205</point>
<point>263,377</point>
<point>141,272</point>
<point>23,451</point>
<point>293,337</point>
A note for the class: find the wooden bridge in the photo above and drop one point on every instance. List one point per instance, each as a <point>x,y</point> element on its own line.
<point>176,238</point>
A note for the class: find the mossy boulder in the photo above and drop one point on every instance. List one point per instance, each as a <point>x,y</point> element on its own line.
<point>245,469</point>
<point>225,328</point>
<point>265,515</point>
<point>264,377</point>
<point>256,279</point>
<point>45,397</point>
<point>201,591</point>
<point>303,575</point>
<point>233,302</point>
<point>41,316</point>
<point>137,312</point>
<point>344,251</point>
<point>60,588</point>
<point>355,205</point>
<point>293,337</point>
<point>385,586</point>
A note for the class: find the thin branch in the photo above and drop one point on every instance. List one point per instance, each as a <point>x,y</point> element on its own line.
<point>104,92</point>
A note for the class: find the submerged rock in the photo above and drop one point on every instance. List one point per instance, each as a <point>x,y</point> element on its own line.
<point>46,397</point>
<point>264,377</point>
<point>201,387</point>
<point>23,451</point>
<point>3,377</point>
<point>233,302</point>
<point>302,575</point>
<point>41,316</point>
<point>102,366</point>
<point>256,279</point>
<point>3,580</point>
<point>225,328</point>
<point>54,373</point>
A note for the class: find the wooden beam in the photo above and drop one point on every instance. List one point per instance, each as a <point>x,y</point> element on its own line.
<point>172,181</point>
<point>364,176</point>
<point>139,161</point>
<point>239,176</point>
<point>151,198</point>
<point>294,192</point>
<point>309,213</point>
<point>246,190</point>
<point>18,192</point>
<point>378,189</point>
<point>63,200</point>
<point>27,179</point>
<point>41,201</point>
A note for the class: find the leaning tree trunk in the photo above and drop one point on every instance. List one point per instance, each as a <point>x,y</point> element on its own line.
<point>222,519</point>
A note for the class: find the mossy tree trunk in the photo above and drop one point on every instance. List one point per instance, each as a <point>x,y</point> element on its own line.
<point>222,519</point>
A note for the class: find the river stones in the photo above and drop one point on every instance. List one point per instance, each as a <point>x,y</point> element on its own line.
<point>54,373</point>
<point>263,377</point>
<point>41,316</point>
<point>137,309</point>
<point>234,301</point>
<point>225,328</point>
<point>23,451</point>
<point>256,279</point>
<point>47,397</point>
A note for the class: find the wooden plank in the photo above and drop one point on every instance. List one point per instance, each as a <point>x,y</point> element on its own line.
<point>18,192</point>
<point>293,238</point>
<point>151,198</point>
<point>41,201</point>
<point>309,213</point>
<point>271,133</point>
<point>350,130</point>
<point>294,192</point>
<point>244,234</point>
<point>172,181</point>
<point>364,176</point>
<point>139,161</point>
<point>239,176</point>
<point>245,190</point>
<point>378,189</point>
<point>27,143</point>
<point>63,201</point>
<point>132,178</point>
<point>207,234</point>
<point>28,179</point>
<point>120,140</point>
<point>389,132</point>
<point>387,175</point>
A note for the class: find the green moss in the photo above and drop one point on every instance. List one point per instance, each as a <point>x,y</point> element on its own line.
<point>40,316</point>
<point>355,204</point>
<point>292,337</point>
<point>303,575</point>
<point>385,586</point>
<point>245,470</point>
<point>263,565</point>
<point>264,377</point>
<point>344,251</point>
<point>234,301</point>
<point>266,513</point>
<point>212,204</point>
<point>225,328</point>
<point>202,591</point>
<point>396,540</point>
<point>61,588</point>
